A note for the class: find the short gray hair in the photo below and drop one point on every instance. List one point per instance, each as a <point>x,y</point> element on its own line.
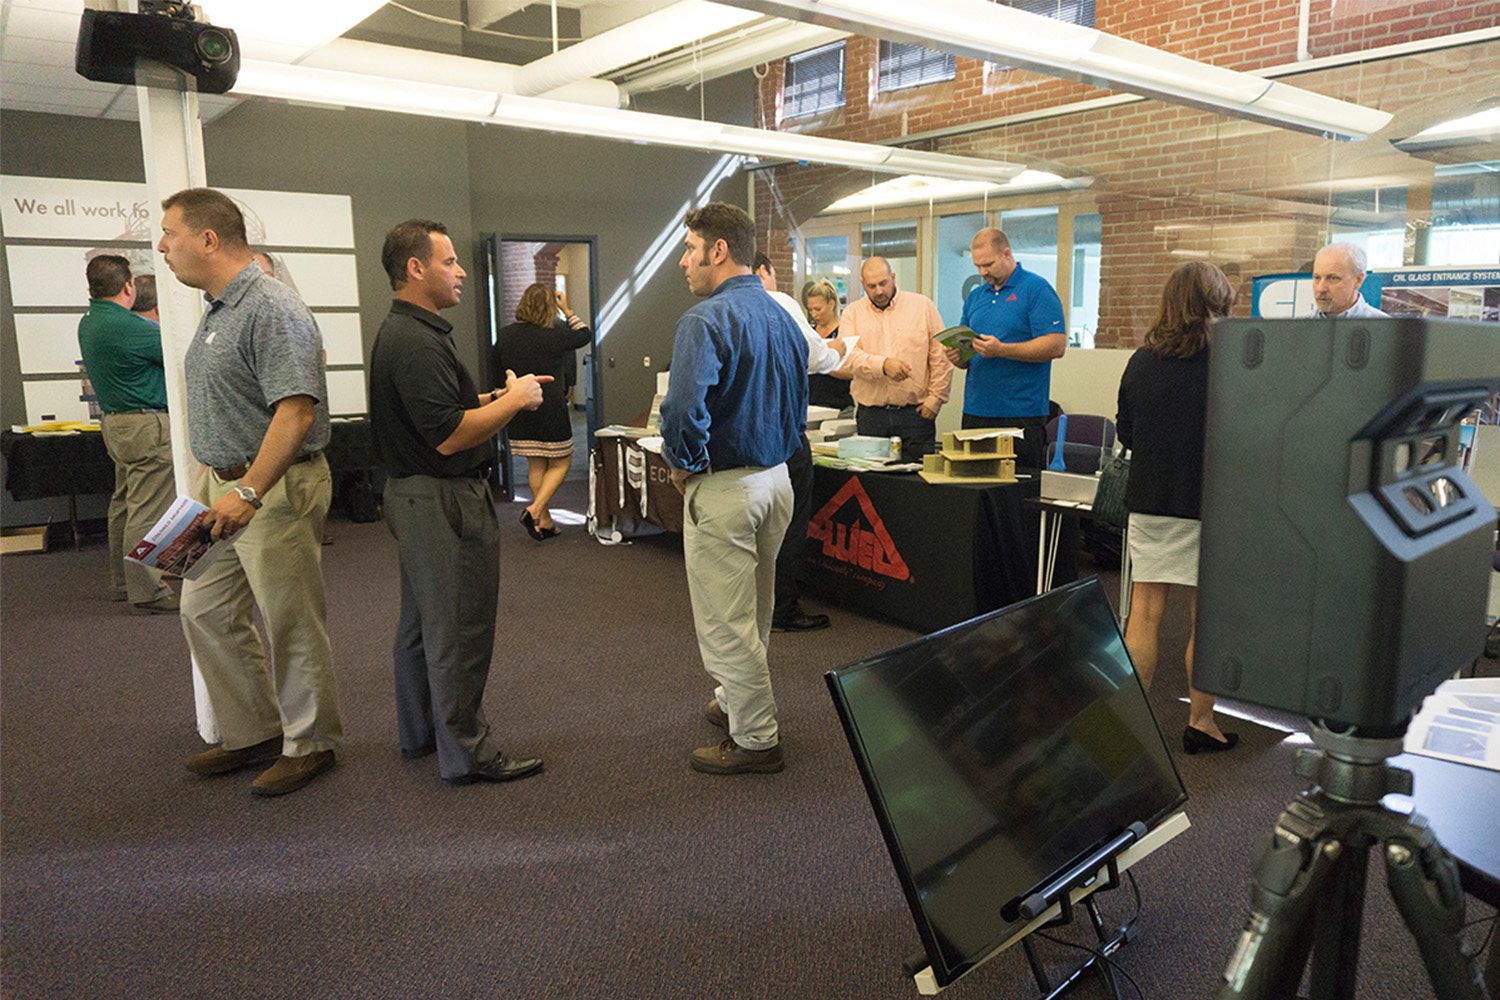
<point>1356,256</point>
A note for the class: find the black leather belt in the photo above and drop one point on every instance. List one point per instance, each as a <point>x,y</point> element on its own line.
<point>122,413</point>
<point>893,406</point>
<point>238,471</point>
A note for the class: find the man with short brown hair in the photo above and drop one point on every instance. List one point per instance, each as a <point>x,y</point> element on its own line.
<point>731,418</point>
<point>435,433</point>
<point>258,421</point>
<point>122,355</point>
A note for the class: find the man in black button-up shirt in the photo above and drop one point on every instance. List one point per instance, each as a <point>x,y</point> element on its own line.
<point>435,434</point>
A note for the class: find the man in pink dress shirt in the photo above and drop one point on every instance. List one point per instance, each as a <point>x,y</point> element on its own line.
<point>900,374</point>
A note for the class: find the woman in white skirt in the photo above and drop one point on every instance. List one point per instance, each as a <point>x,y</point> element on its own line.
<point>1162,406</point>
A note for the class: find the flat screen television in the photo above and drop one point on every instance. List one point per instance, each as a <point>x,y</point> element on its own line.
<point>998,752</point>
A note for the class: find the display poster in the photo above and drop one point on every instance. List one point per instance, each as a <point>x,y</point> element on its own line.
<point>53,226</point>
<point>1455,292</point>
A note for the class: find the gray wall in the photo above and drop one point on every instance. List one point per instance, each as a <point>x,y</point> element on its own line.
<point>477,179</point>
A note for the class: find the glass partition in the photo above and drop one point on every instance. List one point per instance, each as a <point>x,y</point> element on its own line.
<point>953,274</point>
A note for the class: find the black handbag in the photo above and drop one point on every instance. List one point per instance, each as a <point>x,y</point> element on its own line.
<point>1109,498</point>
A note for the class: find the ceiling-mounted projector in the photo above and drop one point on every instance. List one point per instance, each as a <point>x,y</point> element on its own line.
<point>111,42</point>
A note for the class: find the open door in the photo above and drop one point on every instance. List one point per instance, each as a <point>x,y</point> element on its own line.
<point>512,264</point>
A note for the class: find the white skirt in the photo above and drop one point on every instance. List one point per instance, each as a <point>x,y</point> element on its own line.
<point>1164,549</point>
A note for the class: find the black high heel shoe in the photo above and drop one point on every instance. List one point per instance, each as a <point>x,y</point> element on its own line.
<point>529,523</point>
<point>1197,741</point>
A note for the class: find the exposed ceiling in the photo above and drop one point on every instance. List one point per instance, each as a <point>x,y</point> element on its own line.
<point>38,38</point>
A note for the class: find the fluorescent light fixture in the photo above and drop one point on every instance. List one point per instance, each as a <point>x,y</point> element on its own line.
<point>353,90</point>
<point>914,189</point>
<point>358,90</point>
<point>668,130</point>
<point>1466,130</point>
<point>981,29</point>
<point>285,30</point>
<point>659,31</point>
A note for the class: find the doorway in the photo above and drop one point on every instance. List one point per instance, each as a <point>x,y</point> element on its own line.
<point>514,262</point>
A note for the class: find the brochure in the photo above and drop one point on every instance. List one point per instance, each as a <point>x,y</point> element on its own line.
<point>1460,721</point>
<point>178,544</point>
<point>958,338</point>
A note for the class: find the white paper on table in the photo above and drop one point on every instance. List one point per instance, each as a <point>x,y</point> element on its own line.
<point>1460,721</point>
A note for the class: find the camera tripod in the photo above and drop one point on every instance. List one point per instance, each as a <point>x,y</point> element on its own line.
<point>1309,881</point>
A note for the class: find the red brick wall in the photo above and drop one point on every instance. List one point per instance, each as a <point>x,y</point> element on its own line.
<point>522,265</point>
<point>1171,183</point>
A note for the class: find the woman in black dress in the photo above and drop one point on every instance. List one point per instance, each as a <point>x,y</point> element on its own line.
<point>821,300</point>
<point>1162,408</point>
<point>538,343</point>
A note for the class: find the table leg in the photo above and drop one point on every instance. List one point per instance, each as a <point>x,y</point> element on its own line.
<point>1052,543</point>
<point>73,521</point>
<point>1041,552</point>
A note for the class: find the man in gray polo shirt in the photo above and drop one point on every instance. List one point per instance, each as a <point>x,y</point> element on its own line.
<point>258,421</point>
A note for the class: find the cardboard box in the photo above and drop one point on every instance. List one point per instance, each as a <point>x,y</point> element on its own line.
<point>14,541</point>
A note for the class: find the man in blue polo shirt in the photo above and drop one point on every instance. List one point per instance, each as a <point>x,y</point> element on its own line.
<point>1019,320</point>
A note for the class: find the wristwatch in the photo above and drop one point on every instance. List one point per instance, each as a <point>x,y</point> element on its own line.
<point>247,494</point>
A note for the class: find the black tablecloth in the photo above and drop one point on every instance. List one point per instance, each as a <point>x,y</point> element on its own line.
<point>921,554</point>
<point>79,465</point>
<point>67,465</point>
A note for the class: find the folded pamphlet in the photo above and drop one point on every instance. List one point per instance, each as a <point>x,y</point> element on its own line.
<point>179,543</point>
<point>960,339</point>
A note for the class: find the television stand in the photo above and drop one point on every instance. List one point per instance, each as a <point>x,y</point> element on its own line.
<point>1079,892</point>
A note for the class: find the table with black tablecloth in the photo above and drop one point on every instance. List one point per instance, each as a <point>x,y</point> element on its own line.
<point>924,555</point>
<point>74,465</point>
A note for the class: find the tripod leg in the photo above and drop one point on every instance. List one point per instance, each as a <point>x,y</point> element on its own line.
<point>1423,881</point>
<point>1289,872</point>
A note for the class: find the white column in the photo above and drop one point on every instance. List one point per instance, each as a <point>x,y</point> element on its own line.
<point>172,141</point>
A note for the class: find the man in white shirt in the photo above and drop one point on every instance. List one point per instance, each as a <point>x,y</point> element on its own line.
<point>1338,273</point>
<point>823,356</point>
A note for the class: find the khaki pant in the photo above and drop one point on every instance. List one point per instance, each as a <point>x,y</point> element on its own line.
<point>732,526</point>
<point>140,444</point>
<point>275,563</point>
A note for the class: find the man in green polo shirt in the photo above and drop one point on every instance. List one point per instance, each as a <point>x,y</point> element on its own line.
<point>122,353</point>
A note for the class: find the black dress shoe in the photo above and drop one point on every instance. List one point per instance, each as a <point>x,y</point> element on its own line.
<point>798,621</point>
<point>1197,741</point>
<point>502,768</point>
<point>529,523</point>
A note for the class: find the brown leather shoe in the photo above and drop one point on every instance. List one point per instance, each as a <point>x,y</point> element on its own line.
<point>217,760</point>
<point>290,773</point>
<point>713,713</point>
<point>731,758</point>
<point>168,605</point>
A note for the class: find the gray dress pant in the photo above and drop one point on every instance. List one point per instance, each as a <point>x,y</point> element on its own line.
<point>448,538</point>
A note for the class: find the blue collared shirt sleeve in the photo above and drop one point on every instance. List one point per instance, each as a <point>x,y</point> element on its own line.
<point>696,367</point>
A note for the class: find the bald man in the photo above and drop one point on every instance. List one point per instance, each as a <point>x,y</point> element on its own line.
<point>1338,273</point>
<point>1019,321</point>
<point>900,374</point>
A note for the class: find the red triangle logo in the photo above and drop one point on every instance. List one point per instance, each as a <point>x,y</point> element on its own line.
<point>1011,297</point>
<point>867,545</point>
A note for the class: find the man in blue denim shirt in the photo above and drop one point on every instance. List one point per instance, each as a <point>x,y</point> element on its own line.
<point>731,418</point>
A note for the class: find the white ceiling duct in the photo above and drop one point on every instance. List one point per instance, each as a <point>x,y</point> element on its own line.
<point>344,55</point>
<point>659,31</point>
<point>749,46</point>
